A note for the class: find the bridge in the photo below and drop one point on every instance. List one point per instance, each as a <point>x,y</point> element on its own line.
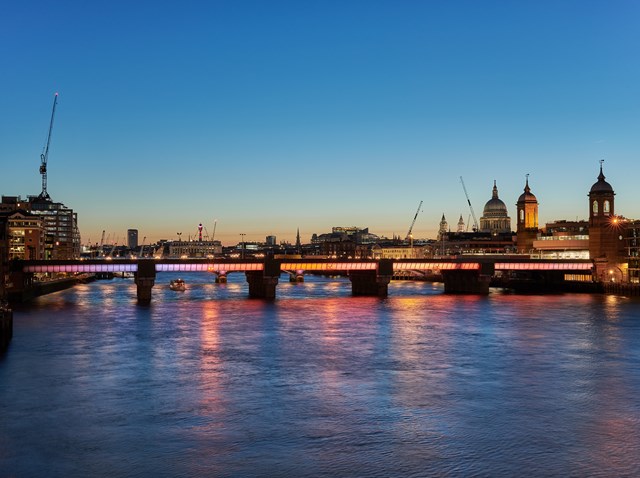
<point>369,277</point>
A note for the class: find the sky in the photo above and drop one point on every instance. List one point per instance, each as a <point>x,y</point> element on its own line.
<point>265,117</point>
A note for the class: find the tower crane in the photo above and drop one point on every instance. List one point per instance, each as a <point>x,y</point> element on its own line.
<point>473,214</point>
<point>144,239</point>
<point>413,222</point>
<point>45,154</point>
<point>99,251</point>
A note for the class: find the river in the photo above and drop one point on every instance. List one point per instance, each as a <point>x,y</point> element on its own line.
<point>318,383</point>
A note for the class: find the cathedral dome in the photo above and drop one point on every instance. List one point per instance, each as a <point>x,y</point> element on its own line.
<point>495,218</point>
<point>495,207</point>
<point>601,186</point>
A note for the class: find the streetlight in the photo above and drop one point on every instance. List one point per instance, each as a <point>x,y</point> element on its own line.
<point>242,250</point>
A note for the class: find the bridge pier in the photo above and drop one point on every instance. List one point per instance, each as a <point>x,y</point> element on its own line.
<point>465,282</point>
<point>262,284</point>
<point>145,279</point>
<point>372,282</point>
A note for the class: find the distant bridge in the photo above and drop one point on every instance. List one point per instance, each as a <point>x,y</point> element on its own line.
<point>470,274</point>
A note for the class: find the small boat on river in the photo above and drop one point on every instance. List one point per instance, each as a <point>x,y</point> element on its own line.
<point>178,284</point>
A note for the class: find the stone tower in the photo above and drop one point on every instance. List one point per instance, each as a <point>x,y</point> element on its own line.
<point>606,247</point>
<point>527,218</point>
<point>444,228</point>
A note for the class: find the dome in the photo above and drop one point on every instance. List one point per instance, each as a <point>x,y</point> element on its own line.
<point>495,207</point>
<point>527,195</point>
<point>601,186</point>
<point>495,218</point>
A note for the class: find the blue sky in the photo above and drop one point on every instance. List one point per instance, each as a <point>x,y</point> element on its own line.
<point>273,115</point>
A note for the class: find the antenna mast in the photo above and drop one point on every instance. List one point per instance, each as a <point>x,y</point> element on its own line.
<point>45,155</point>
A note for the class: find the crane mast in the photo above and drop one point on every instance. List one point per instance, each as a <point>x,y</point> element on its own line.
<point>413,222</point>
<point>473,214</point>
<point>45,155</point>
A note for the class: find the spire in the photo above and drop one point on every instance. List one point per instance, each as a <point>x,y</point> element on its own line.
<point>495,190</point>
<point>527,189</point>
<point>601,175</point>
<point>298,244</point>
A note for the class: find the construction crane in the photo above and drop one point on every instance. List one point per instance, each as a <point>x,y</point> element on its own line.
<point>473,214</point>
<point>413,222</point>
<point>144,239</point>
<point>45,154</point>
<point>100,251</point>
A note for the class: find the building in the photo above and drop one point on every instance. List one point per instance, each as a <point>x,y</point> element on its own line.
<point>464,243</point>
<point>606,232</point>
<point>204,249</point>
<point>346,242</point>
<point>397,251</point>
<point>4,258</point>
<point>132,238</point>
<point>62,237</point>
<point>61,228</point>
<point>632,245</point>
<point>25,235</point>
<point>495,218</point>
<point>527,219</point>
<point>563,240</point>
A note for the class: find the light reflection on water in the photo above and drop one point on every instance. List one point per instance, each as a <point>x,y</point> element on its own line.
<point>318,383</point>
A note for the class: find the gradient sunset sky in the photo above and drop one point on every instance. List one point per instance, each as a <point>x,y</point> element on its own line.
<point>274,115</point>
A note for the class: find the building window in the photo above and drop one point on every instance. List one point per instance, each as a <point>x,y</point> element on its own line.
<point>595,208</point>
<point>605,208</point>
<point>521,215</point>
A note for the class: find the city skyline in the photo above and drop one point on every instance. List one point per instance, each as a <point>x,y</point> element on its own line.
<point>271,118</point>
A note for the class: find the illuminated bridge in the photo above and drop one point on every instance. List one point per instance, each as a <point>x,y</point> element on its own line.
<point>468,275</point>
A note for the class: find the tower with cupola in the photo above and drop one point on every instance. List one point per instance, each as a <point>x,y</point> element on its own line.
<point>527,218</point>
<point>606,245</point>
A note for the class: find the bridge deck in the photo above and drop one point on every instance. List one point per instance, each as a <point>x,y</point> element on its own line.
<point>308,264</point>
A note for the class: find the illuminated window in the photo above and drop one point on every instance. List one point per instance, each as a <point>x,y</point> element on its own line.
<point>521,215</point>
<point>605,208</point>
<point>595,208</point>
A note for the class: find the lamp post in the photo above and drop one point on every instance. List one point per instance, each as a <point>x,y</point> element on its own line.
<point>242,250</point>
<point>179,249</point>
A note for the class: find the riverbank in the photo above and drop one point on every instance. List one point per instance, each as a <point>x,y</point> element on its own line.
<point>38,288</point>
<point>6,328</point>
<point>631,290</point>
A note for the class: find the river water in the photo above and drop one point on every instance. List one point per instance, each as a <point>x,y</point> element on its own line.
<point>319,383</point>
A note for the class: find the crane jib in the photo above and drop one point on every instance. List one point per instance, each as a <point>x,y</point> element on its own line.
<point>45,155</point>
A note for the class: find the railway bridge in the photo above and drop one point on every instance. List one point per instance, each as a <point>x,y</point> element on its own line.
<point>369,277</point>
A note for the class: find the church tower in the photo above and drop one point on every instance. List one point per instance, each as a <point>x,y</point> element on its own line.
<point>606,246</point>
<point>527,229</point>
<point>444,228</point>
<point>460,224</point>
<point>298,243</point>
